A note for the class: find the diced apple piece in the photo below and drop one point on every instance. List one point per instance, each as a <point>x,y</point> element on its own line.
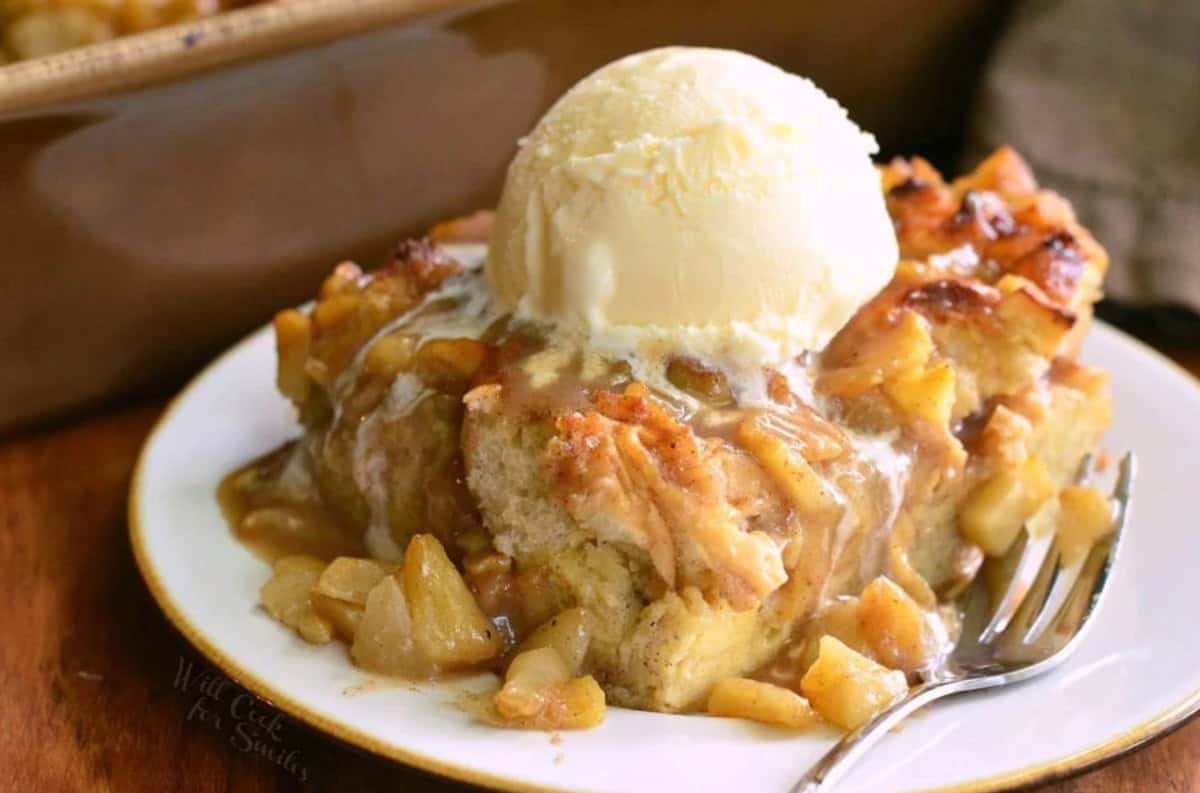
<point>314,628</point>
<point>898,631</point>
<point>1085,515</point>
<point>350,579</point>
<point>539,693</point>
<point>567,634</point>
<point>739,698</point>
<point>577,704</point>
<point>530,675</point>
<point>995,511</point>
<point>448,624</point>
<point>847,688</point>
<point>286,597</point>
<point>343,617</point>
<point>1045,520</point>
<point>335,310</point>
<point>450,364</point>
<point>389,356</point>
<point>340,594</point>
<point>293,337</point>
<point>927,395</point>
<point>701,381</point>
<point>850,381</point>
<point>384,641</point>
<point>344,279</point>
<point>902,347</point>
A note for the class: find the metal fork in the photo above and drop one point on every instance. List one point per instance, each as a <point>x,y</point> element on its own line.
<point>1036,625</point>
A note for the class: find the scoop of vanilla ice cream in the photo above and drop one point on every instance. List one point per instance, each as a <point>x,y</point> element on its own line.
<point>695,199</point>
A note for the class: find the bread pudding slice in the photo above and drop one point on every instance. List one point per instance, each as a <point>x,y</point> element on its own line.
<point>701,534</point>
<point>692,559</point>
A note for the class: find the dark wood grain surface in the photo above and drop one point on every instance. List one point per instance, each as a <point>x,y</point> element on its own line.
<point>97,693</point>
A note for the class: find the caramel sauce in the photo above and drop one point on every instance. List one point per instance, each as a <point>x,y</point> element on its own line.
<point>454,342</point>
<point>274,523</point>
<point>428,319</point>
<point>276,518</point>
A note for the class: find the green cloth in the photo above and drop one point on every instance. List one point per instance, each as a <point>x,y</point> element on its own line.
<point>1103,98</point>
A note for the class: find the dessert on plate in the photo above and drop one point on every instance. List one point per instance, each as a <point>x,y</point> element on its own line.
<point>712,414</point>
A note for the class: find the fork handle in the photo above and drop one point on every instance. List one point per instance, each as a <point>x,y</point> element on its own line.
<point>837,761</point>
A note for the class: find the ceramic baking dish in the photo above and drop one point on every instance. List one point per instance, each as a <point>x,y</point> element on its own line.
<point>165,192</point>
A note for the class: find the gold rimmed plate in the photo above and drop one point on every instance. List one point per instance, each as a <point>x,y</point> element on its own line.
<point>1134,678</point>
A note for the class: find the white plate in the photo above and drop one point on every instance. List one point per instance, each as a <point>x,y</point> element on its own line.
<point>1135,676</point>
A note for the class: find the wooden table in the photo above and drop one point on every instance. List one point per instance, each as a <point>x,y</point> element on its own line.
<point>92,693</point>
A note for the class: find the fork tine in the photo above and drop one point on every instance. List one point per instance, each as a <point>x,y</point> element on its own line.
<point>1123,491</point>
<point>1028,610</point>
<point>1071,578</point>
<point>1036,554</point>
<point>1060,590</point>
<point>1076,605</point>
<point>1033,558</point>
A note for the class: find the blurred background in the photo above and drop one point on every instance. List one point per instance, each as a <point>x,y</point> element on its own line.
<point>163,194</point>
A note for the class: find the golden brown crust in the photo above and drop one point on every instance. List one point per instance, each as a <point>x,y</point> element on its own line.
<point>995,292</point>
<point>998,210</point>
